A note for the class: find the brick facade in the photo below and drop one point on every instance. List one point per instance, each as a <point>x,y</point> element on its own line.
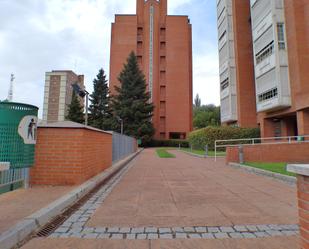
<point>169,69</point>
<point>289,153</point>
<point>70,156</point>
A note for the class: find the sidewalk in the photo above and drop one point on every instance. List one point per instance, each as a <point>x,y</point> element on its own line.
<point>16,205</point>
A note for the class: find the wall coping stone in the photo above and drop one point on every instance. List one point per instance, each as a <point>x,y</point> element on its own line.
<point>299,169</point>
<point>70,125</point>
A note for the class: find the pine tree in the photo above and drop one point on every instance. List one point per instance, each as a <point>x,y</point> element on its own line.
<point>100,111</point>
<point>131,103</point>
<point>75,112</point>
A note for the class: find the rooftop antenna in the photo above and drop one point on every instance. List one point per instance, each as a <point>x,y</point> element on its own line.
<point>10,94</point>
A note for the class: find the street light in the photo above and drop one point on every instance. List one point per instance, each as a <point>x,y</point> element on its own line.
<point>82,93</point>
<point>121,122</point>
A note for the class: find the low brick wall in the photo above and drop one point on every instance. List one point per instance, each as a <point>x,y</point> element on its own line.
<point>289,153</point>
<point>70,155</point>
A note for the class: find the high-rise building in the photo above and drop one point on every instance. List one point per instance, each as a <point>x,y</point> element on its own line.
<point>280,48</point>
<point>163,45</point>
<point>236,63</point>
<point>58,94</point>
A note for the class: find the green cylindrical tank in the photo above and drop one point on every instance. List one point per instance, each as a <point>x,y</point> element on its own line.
<point>17,134</point>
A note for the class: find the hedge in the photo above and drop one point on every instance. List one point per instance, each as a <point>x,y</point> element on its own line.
<point>207,136</point>
<point>168,143</point>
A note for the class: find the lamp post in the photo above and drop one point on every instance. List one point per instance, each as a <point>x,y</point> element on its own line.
<point>121,124</point>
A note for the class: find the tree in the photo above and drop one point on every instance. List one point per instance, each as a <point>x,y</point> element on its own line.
<point>101,115</point>
<point>131,103</point>
<point>197,101</point>
<point>75,112</point>
<point>206,115</point>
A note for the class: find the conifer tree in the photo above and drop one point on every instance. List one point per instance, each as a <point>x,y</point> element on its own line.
<point>100,111</point>
<point>75,111</point>
<point>131,103</point>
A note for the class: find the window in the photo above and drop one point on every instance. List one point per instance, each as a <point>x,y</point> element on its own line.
<point>225,84</point>
<point>268,95</point>
<point>223,34</point>
<point>281,39</point>
<point>264,53</point>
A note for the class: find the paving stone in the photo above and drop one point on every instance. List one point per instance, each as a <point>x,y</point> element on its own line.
<point>227,229</point>
<point>67,224</point>
<point>54,235</point>
<point>262,228</point>
<point>76,229</point>
<point>100,230</point>
<point>83,219</point>
<point>62,230</point>
<point>177,229</point>
<point>189,229</point>
<point>91,236</point>
<point>152,236</point>
<point>208,236</point>
<point>252,228</point>
<point>104,236</point>
<point>76,235</point>
<point>213,229</point>
<point>248,235</point>
<point>221,235</point>
<point>289,233</point>
<point>78,224</point>
<point>131,236</point>
<point>138,230</point>
<point>274,233</point>
<point>64,235</point>
<point>117,236</point>
<point>261,234</point>
<point>141,236</point>
<point>291,227</point>
<point>151,230</point>
<point>181,235</point>
<point>165,230</point>
<point>194,236</point>
<point>88,230</point>
<point>166,236</point>
<point>275,227</point>
<point>240,228</point>
<point>125,230</point>
<point>113,229</point>
<point>201,229</point>
<point>235,235</point>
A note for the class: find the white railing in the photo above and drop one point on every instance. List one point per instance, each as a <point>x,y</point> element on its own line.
<point>257,141</point>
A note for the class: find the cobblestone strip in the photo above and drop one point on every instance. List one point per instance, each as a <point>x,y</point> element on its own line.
<point>75,226</point>
<point>152,233</point>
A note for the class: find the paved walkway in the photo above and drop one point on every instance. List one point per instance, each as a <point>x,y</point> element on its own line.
<point>182,201</point>
<point>16,205</point>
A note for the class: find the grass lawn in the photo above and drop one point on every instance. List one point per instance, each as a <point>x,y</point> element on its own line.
<point>162,153</point>
<point>273,167</point>
<point>202,152</point>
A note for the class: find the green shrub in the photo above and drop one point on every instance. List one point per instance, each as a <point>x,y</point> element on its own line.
<point>207,136</point>
<point>168,143</point>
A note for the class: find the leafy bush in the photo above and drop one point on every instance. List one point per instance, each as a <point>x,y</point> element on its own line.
<point>207,136</point>
<point>167,143</point>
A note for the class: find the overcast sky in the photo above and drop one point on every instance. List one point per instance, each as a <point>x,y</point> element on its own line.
<point>37,36</point>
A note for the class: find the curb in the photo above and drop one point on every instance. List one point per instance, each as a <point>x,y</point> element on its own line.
<point>288,179</point>
<point>35,221</point>
<point>199,156</point>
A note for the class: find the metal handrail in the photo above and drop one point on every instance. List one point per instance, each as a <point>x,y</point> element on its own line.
<point>291,139</point>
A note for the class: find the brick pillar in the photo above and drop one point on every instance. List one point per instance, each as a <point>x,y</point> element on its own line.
<point>302,172</point>
<point>267,128</point>
<point>303,122</point>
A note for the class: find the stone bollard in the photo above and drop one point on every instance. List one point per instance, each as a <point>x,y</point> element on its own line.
<point>241,154</point>
<point>302,171</point>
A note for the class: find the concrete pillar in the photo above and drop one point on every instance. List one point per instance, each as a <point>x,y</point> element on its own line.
<point>302,172</point>
<point>303,122</point>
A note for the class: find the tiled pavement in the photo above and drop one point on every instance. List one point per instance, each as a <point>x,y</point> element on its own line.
<point>182,199</point>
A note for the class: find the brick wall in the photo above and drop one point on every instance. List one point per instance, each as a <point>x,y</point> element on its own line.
<point>303,207</point>
<point>289,153</point>
<point>70,156</point>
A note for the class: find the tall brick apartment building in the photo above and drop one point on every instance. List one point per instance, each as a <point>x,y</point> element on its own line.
<point>58,94</point>
<point>264,65</point>
<point>163,45</point>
